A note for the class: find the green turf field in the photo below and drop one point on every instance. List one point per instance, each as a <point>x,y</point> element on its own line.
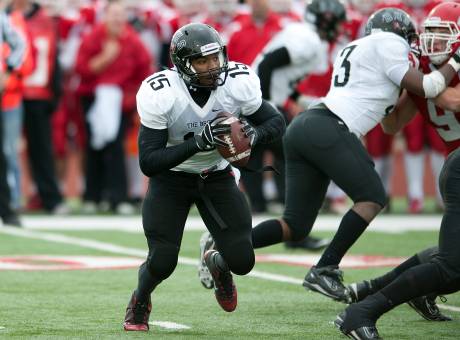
<point>90,304</point>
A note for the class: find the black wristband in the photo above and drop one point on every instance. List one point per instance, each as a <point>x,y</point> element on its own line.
<point>456,57</point>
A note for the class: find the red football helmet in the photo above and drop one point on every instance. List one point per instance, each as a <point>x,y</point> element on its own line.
<point>441,31</point>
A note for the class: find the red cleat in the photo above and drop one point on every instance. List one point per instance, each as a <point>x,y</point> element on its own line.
<point>415,206</point>
<point>137,315</point>
<point>224,287</point>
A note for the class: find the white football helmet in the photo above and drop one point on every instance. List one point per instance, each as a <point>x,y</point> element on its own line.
<point>440,32</point>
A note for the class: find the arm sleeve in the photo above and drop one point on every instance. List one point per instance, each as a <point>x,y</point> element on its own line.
<point>15,41</point>
<point>395,58</point>
<point>155,157</point>
<point>271,61</point>
<point>268,123</point>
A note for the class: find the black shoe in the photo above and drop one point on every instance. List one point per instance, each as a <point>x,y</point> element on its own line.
<point>369,332</point>
<point>327,281</point>
<point>428,309</point>
<point>224,287</point>
<point>308,243</point>
<point>137,315</point>
<point>358,291</point>
<point>12,220</point>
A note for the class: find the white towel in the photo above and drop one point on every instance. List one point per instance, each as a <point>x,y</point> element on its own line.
<point>104,115</point>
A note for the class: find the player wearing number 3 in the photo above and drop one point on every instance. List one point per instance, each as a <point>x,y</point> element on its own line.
<point>441,274</point>
<point>178,110</point>
<point>322,143</point>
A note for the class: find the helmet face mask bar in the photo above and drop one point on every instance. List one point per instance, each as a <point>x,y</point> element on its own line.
<point>194,41</point>
<point>441,31</point>
<point>196,78</point>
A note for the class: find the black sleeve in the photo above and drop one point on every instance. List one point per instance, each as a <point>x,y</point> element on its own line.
<point>155,157</point>
<point>268,123</point>
<point>271,61</point>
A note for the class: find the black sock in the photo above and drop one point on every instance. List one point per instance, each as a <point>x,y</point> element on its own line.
<point>366,312</point>
<point>267,233</point>
<point>350,229</point>
<point>220,262</point>
<point>146,283</point>
<point>384,280</point>
<point>414,282</point>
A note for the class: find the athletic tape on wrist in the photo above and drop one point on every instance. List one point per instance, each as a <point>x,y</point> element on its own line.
<point>455,62</point>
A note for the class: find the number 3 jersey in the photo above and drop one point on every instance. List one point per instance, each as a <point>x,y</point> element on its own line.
<point>446,123</point>
<point>366,80</point>
<point>164,102</point>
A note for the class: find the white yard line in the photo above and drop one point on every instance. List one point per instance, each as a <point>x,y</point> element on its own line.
<point>383,223</point>
<point>112,248</point>
<point>169,325</point>
<point>447,307</point>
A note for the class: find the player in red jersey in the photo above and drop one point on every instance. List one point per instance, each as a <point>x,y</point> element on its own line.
<point>441,274</point>
<point>421,138</point>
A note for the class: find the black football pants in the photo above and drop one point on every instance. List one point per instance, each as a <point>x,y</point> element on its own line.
<point>37,125</point>
<point>319,147</point>
<point>166,206</point>
<point>448,258</point>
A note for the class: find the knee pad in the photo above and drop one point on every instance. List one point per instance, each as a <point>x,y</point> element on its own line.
<point>240,258</point>
<point>162,260</point>
<point>449,271</point>
<point>426,255</point>
<point>378,197</point>
<point>298,229</point>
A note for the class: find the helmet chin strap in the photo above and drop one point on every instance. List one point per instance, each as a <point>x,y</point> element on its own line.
<point>439,59</point>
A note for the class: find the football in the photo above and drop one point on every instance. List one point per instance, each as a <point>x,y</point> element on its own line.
<point>239,149</point>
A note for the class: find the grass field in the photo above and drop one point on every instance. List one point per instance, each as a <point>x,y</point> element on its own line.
<point>90,303</point>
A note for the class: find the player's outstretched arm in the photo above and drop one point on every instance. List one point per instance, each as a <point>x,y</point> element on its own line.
<point>432,84</point>
<point>403,112</point>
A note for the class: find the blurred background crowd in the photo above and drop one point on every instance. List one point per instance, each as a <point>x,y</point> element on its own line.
<point>69,111</point>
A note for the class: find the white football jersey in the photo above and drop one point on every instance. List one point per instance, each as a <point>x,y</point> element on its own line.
<point>308,54</point>
<point>366,81</point>
<point>164,102</point>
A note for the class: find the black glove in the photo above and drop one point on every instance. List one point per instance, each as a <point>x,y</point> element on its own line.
<point>208,137</point>
<point>249,131</point>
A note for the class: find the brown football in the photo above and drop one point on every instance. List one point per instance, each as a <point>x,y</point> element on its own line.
<point>239,149</point>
